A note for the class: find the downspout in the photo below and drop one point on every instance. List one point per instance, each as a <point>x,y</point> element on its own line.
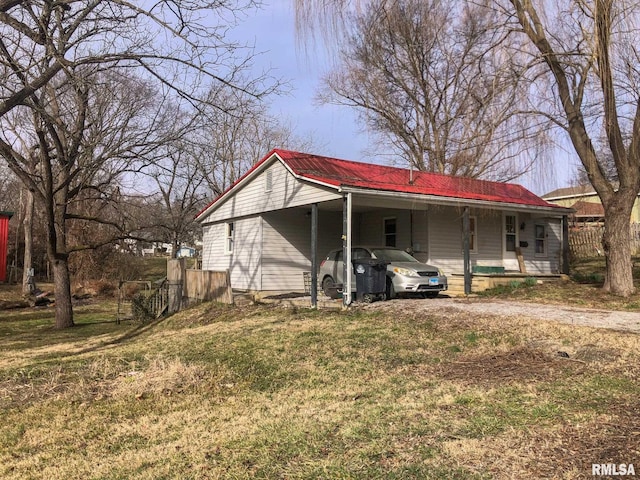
<point>564,267</point>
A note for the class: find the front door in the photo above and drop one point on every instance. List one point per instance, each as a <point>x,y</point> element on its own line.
<point>510,241</point>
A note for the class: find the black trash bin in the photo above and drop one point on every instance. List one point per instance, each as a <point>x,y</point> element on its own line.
<point>371,279</point>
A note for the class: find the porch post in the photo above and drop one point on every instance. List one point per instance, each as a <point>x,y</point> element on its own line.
<point>346,249</point>
<point>314,255</point>
<point>564,268</point>
<point>466,233</point>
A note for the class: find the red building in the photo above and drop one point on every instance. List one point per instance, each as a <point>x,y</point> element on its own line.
<point>4,243</point>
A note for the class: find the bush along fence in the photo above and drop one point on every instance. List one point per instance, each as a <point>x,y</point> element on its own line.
<point>587,242</point>
<point>143,300</point>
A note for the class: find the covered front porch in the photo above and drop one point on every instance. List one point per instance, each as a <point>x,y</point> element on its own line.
<point>478,245</point>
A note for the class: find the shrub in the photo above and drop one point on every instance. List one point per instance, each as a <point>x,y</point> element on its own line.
<point>141,307</point>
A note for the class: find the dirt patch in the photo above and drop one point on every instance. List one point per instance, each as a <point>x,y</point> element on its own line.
<point>612,438</point>
<point>519,365</point>
<point>566,451</point>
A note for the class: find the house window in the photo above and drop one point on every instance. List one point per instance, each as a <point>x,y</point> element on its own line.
<point>268,181</point>
<point>228,243</point>
<point>541,240</point>
<point>510,232</point>
<point>390,232</point>
<point>473,245</point>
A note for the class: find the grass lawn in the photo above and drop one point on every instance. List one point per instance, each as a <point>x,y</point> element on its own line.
<point>263,392</point>
<point>584,290</point>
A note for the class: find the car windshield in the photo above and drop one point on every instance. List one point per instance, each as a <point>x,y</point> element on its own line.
<point>392,255</point>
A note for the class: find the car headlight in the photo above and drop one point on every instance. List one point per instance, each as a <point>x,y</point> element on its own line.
<point>405,272</point>
<point>440,273</point>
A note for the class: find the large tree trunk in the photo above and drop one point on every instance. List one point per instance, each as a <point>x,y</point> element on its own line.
<point>62,292</point>
<point>174,246</point>
<point>59,258</point>
<point>27,279</point>
<point>616,242</point>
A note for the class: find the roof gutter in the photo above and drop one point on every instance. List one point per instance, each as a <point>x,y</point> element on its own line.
<point>445,201</point>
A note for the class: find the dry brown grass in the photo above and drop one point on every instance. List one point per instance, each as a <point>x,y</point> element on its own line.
<point>262,392</point>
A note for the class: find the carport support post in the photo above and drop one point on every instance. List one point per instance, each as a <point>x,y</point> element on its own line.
<point>346,249</point>
<point>314,255</point>
<point>466,234</point>
<point>564,268</point>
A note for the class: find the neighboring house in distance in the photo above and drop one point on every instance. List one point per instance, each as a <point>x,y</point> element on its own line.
<point>158,249</point>
<point>589,211</point>
<point>260,229</point>
<point>186,252</point>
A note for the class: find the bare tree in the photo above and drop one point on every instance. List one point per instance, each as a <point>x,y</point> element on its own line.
<point>87,130</point>
<point>9,188</point>
<point>182,194</point>
<point>433,80</point>
<point>584,74</point>
<point>230,137</point>
<point>53,58</point>
<point>168,40</point>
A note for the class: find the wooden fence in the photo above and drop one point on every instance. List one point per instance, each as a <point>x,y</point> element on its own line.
<point>205,285</point>
<point>187,287</point>
<point>142,300</point>
<point>587,242</point>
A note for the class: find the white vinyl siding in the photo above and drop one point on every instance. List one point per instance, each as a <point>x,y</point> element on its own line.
<point>550,261</point>
<point>244,262</point>
<point>371,232</point>
<point>445,239</point>
<point>287,246</point>
<point>286,191</point>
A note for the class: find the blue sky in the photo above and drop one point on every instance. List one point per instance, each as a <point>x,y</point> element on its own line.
<point>335,129</point>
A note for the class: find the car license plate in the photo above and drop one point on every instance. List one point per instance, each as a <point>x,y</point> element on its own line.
<point>433,281</point>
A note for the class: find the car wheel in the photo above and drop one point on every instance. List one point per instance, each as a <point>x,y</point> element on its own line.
<point>391,291</point>
<point>328,287</point>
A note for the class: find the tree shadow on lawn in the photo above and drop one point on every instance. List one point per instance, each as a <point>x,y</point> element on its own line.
<point>37,331</point>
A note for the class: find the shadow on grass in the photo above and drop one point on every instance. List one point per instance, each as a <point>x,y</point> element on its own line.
<point>22,331</point>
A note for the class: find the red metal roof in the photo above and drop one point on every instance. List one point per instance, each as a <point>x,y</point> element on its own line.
<point>345,173</point>
<point>338,172</point>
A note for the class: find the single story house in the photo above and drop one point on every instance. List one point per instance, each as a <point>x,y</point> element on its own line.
<point>291,208</point>
<point>4,243</point>
<point>186,252</point>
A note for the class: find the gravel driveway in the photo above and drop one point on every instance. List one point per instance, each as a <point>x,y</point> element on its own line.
<point>616,320</point>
